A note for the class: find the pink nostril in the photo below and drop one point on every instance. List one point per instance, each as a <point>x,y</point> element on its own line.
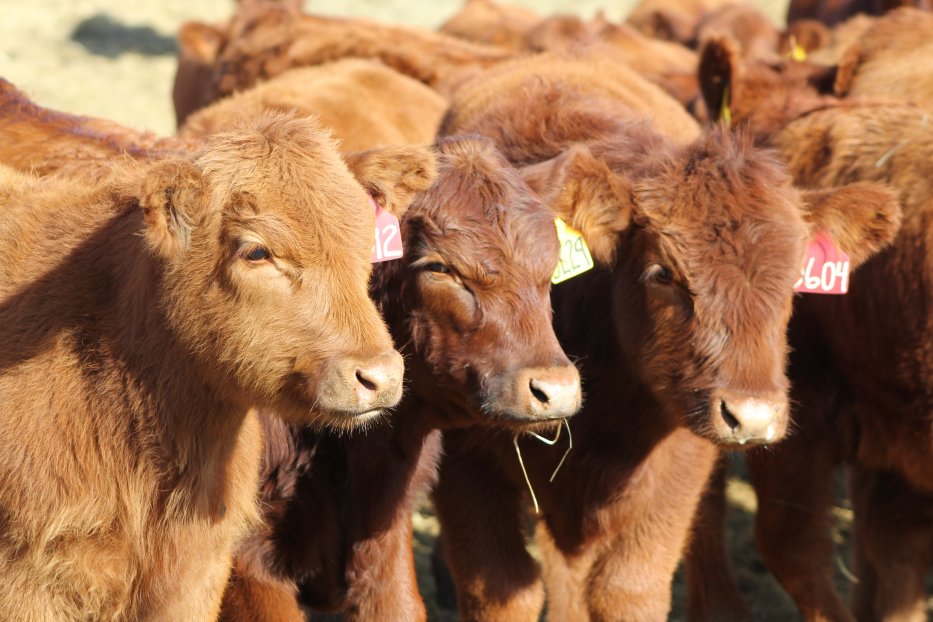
<point>538,391</point>
<point>366,382</point>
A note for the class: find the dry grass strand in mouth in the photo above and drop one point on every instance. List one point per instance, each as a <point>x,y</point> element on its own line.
<point>546,441</point>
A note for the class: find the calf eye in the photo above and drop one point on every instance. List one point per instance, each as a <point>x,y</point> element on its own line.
<point>258,253</point>
<point>436,266</point>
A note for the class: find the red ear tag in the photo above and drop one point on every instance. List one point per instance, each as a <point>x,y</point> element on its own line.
<point>825,268</point>
<point>388,238</point>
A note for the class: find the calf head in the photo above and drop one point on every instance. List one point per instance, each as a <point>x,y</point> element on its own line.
<point>472,296</point>
<point>263,244</point>
<point>704,247</point>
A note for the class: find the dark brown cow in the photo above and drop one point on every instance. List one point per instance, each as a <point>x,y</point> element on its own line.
<point>860,374</point>
<point>146,314</point>
<point>680,336</point>
<point>469,305</point>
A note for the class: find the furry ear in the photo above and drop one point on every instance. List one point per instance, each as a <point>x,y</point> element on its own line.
<point>394,175</point>
<point>718,69</point>
<point>845,72</point>
<point>171,196</point>
<point>585,194</point>
<point>861,218</point>
<point>198,47</point>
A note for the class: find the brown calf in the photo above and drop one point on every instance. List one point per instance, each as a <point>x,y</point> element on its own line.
<point>672,20</point>
<point>363,102</point>
<point>146,315</point>
<point>669,65</point>
<point>484,21</point>
<point>266,40</point>
<point>891,59</point>
<point>39,140</point>
<point>469,306</point>
<point>680,336</point>
<point>859,376</point>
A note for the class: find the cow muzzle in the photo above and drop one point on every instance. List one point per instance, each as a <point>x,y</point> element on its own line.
<point>535,394</point>
<point>742,419</point>
<point>359,387</point>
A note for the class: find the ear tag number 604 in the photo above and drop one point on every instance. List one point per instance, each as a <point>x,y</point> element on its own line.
<point>825,268</point>
<point>574,255</point>
<point>387,244</point>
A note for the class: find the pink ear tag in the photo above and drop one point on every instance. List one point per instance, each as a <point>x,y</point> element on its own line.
<point>388,242</point>
<point>825,268</point>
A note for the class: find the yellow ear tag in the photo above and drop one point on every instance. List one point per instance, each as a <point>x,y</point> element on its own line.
<point>725,111</point>
<point>797,52</point>
<point>574,255</point>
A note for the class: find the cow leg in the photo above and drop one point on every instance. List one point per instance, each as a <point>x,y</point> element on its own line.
<point>253,598</point>
<point>712,593</point>
<point>390,589</point>
<point>481,513</point>
<point>630,566</point>
<point>894,539</point>
<point>793,482</point>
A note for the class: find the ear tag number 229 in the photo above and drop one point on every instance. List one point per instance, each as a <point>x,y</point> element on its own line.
<point>388,235</point>
<point>574,255</point>
<point>825,268</point>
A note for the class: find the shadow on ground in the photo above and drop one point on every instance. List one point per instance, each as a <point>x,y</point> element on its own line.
<point>102,35</point>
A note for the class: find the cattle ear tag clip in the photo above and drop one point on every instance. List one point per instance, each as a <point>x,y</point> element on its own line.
<point>575,257</point>
<point>387,244</point>
<point>725,108</point>
<point>825,268</point>
<point>546,441</point>
<point>797,52</point>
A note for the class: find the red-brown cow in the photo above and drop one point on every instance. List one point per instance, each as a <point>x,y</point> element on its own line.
<point>680,336</point>
<point>860,374</point>
<point>146,314</point>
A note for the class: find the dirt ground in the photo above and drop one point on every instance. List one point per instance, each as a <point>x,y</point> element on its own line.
<point>116,59</point>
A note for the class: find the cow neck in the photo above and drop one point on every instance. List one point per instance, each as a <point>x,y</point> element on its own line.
<point>585,325</point>
<point>190,432</point>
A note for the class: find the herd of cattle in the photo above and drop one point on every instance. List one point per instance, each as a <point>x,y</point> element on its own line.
<point>222,398</point>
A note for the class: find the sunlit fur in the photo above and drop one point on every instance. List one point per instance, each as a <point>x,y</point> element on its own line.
<point>363,102</point>
<point>136,342</point>
<point>721,217</point>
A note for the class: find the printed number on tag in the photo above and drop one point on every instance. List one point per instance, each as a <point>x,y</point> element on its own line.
<point>388,235</point>
<point>574,255</point>
<point>825,268</point>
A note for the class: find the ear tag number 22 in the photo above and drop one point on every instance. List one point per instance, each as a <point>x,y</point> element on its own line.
<point>574,255</point>
<point>825,268</point>
<point>388,241</point>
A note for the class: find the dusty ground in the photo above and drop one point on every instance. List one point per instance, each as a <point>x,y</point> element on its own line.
<point>115,59</point>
